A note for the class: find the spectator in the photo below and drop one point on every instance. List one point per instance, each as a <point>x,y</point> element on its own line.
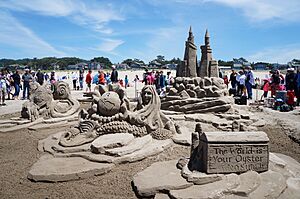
<point>2,87</point>
<point>126,81</point>
<point>46,76</point>
<point>232,79</point>
<point>26,79</point>
<point>74,80</point>
<point>275,82</point>
<point>40,77</point>
<point>88,80</point>
<point>265,89</point>
<point>162,82</point>
<point>9,83</point>
<point>169,79</point>
<point>101,78</point>
<point>290,83</point>
<point>249,82</point>
<point>16,81</point>
<point>81,77</point>
<point>96,79</point>
<point>52,80</point>
<point>241,78</point>
<point>226,81</point>
<point>114,75</point>
<point>107,78</point>
<point>145,75</point>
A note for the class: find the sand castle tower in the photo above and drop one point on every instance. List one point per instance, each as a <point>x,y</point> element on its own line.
<point>188,68</point>
<point>208,66</point>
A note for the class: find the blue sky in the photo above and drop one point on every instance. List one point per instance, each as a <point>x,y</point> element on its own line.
<point>259,30</point>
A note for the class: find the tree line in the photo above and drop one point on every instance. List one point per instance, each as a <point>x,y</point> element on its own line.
<point>49,63</point>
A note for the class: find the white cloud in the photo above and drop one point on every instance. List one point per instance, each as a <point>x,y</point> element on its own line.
<point>255,10</point>
<point>13,33</point>
<point>94,15</point>
<point>43,7</point>
<point>261,10</point>
<point>109,45</point>
<point>276,54</point>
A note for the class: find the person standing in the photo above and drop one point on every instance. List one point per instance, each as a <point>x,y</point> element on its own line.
<point>249,82</point>
<point>74,80</point>
<point>96,79</point>
<point>145,75</point>
<point>26,78</point>
<point>162,82</point>
<point>107,78</point>
<point>81,77</point>
<point>232,79</point>
<point>2,87</point>
<point>88,80</point>
<point>275,82</point>
<point>126,81</point>
<point>40,77</point>
<point>17,81</point>
<point>241,77</point>
<point>101,78</point>
<point>290,83</point>
<point>226,81</point>
<point>114,75</point>
<point>46,77</point>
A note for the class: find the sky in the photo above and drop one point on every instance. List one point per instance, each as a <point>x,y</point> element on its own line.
<point>258,30</point>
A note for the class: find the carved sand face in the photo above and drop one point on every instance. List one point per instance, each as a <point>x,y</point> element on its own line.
<point>146,96</point>
<point>109,104</point>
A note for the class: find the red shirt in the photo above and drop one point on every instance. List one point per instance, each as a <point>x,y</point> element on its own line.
<point>88,78</point>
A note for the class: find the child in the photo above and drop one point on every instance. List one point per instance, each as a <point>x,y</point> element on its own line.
<point>265,88</point>
<point>121,82</point>
<point>291,98</point>
<point>226,81</point>
<point>126,81</point>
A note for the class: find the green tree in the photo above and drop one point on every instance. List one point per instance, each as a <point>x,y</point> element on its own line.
<point>127,61</point>
<point>103,60</point>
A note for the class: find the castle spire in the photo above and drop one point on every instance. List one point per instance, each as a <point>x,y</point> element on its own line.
<point>206,40</point>
<point>191,36</point>
<point>206,33</point>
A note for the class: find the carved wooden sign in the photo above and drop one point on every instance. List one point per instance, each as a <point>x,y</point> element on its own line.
<point>227,152</point>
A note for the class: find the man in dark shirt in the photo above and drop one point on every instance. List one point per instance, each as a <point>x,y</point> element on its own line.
<point>114,75</point>
<point>232,79</point>
<point>290,80</point>
<point>17,81</point>
<point>26,78</point>
<point>40,77</point>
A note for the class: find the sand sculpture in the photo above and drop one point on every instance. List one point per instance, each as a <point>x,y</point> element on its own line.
<point>109,114</point>
<point>45,106</point>
<point>49,104</point>
<point>197,92</point>
<point>112,131</point>
<point>223,165</point>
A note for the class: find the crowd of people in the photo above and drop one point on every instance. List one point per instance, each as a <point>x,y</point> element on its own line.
<point>243,81</point>
<point>156,78</point>
<point>12,83</point>
<point>102,78</point>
